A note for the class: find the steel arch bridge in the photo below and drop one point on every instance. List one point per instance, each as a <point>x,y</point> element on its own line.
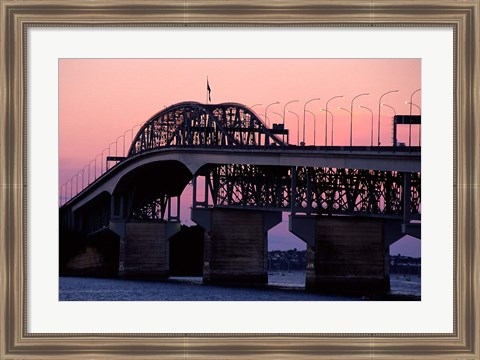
<point>317,186</point>
<point>195,124</point>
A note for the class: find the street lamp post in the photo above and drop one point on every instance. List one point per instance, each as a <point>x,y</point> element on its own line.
<point>106,162</point>
<point>251,107</point>
<point>101,165</point>
<point>133,129</point>
<point>410,126</point>
<point>351,116</point>
<point>61,195</point>
<point>83,173</point>
<point>331,127</point>
<point>281,116</point>
<point>304,110</point>
<point>116,145</point>
<point>95,169</point>
<point>71,188</point>
<point>326,115</point>
<point>76,185</point>
<point>298,126</point>
<point>394,128</point>
<point>266,109</point>
<point>131,136</point>
<point>371,112</point>
<point>314,125</point>
<point>413,104</point>
<point>89,171</point>
<point>411,100</point>
<point>420,126</point>
<point>124,139</point>
<point>284,108</point>
<point>379,107</point>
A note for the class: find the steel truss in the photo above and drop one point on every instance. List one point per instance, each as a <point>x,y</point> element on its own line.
<point>96,216</point>
<point>313,190</point>
<point>191,123</point>
<point>157,209</point>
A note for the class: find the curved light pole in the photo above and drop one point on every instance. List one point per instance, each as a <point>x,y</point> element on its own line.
<point>83,172</point>
<point>80,173</point>
<point>71,188</point>
<point>133,129</point>
<point>351,115</point>
<point>411,100</point>
<point>314,124</point>
<point>89,171</point>
<point>371,112</point>
<point>292,101</point>
<point>131,135</point>
<point>410,126</point>
<point>412,104</point>
<point>379,107</point>
<point>95,169</point>
<point>348,111</point>
<point>304,106</point>
<point>106,160</point>
<point>391,107</point>
<point>61,195</point>
<point>266,109</point>
<point>331,127</point>
<point>298,126</point>
<point>419,112</point>
<point>101,164</point>
<point>124,139</point>
<point>116,145</point>
<point>394,137</point>
<point>76,185</point>
<point>326,114</point>
<point>251,107</point>
<point>71,191</point>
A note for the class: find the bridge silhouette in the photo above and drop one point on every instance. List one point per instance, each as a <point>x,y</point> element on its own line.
<point>349,204</point>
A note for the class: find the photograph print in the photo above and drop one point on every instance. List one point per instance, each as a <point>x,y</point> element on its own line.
<point>239,179</point>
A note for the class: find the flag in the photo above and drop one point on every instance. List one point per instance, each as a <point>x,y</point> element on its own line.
<point>209,91</point>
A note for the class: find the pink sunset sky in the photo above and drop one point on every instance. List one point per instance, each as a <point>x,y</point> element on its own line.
<point>101,99</point>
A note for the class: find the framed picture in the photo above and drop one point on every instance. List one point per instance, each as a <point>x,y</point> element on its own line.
<point>52,50</point>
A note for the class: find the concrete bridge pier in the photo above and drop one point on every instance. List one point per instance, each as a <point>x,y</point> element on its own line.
<point>345,254</point>
<point>236,244</point>
<point>144,250</point>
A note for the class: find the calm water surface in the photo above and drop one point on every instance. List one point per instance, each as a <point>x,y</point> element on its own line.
<point>281,287</point>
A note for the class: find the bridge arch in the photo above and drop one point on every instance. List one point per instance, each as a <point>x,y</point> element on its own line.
<point>148,189</point>
<point>193,123</point>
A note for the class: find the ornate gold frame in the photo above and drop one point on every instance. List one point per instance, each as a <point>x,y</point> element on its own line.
<point>16,15</point>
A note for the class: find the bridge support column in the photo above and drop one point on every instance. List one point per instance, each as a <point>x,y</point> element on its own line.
<point>144,251</point>
<point>344,254</point>
<point>236,244</point>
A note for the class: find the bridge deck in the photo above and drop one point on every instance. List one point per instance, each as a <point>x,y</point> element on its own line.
<point>403,159</point>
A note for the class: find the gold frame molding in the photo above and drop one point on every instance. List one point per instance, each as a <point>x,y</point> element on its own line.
<point>16,15</point>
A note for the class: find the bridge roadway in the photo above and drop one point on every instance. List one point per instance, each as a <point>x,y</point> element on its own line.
<point>402,159</point>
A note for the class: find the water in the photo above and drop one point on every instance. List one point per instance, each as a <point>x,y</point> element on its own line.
<point>281,287</point>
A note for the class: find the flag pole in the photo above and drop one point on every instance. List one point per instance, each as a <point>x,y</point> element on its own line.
<point>209,90</point>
